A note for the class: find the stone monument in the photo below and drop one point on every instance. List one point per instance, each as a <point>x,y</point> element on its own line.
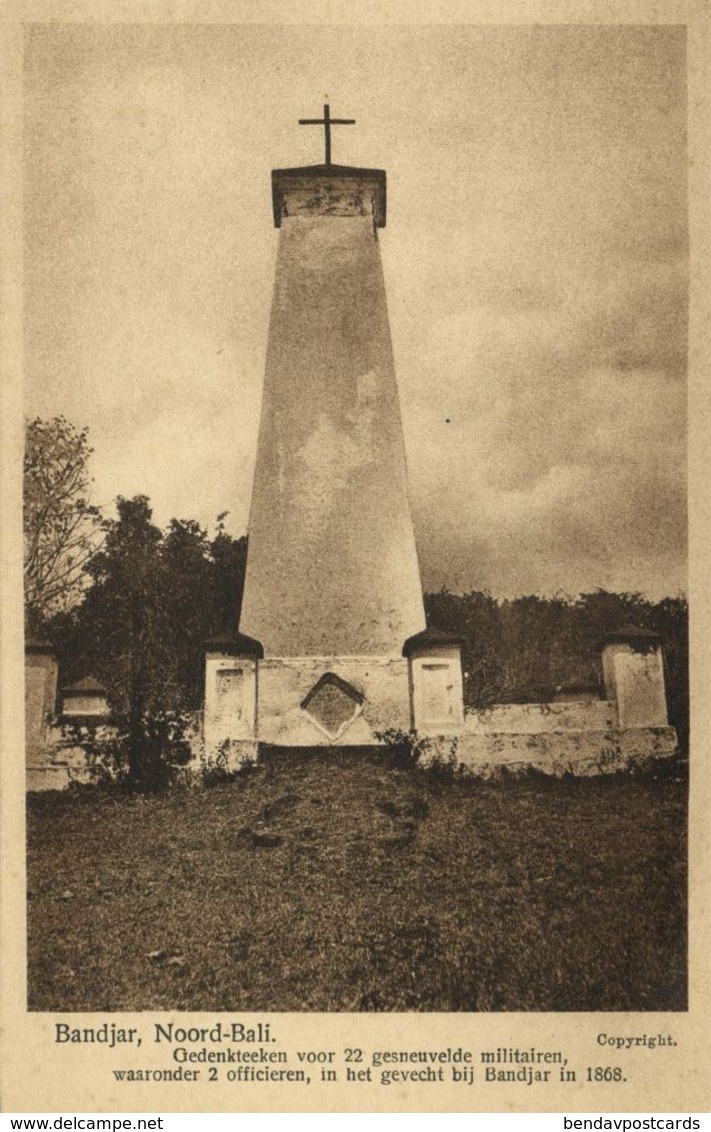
<point>331,647</point>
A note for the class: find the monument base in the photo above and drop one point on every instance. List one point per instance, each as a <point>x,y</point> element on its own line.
<point>306,701</point>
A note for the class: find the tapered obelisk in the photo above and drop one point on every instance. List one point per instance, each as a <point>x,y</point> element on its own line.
<point>332,567</point>
<point>332,589</point>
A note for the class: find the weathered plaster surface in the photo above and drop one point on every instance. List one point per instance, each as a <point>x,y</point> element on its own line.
<point>47,777</point>
<point>85,705</point>
<point>332,565</point>
<point>329,191</point>
<point>586,715</point>
<point>41,672</point>
<point>561,752</point>
<point>284,684</point>
<point>57,763</point>
<point>230,699</point>
<point>635,680</point>
<point>437,690</point>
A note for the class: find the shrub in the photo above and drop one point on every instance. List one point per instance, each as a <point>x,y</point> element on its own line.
<point>225,764</point>
<point>403,748</point>
<point>103,748</point>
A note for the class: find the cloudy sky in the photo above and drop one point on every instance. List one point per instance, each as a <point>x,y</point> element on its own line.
<point>535,258</point>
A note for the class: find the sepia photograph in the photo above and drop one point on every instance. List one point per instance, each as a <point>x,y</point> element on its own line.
<point>355,518</point>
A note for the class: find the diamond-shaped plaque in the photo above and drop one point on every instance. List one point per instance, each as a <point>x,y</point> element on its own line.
<point>333,704</point>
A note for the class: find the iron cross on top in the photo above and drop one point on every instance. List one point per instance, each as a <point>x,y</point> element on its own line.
<point>327,121</point>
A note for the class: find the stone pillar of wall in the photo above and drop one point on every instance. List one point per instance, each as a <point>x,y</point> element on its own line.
<point>231,673</point>
<point>87,699</point>
<point>41,673</point>
<point>436,685</point>
<point>633,670</point>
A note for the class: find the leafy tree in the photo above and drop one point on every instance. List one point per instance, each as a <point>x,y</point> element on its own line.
<point>154,596</point>
<point>122,623</point>
<point>670,618</point>
<point>521,649</point>
<point>229,558</point>
<point>195,591</point>
<point>476,617</point>
<point>61,527</point>
<point>153,599</point>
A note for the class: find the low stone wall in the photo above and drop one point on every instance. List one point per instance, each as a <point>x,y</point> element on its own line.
<point>582,715</point>
<point>557,752</point>
<point>578,738</point>
<point>82,751</point>
<point>56,763</point>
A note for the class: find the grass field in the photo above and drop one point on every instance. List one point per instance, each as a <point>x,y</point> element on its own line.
<point>335,883</point>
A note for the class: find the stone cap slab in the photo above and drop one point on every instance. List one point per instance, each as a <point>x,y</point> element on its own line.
<point>329,190</point>
<point>235,643</point>
<point>89,686</point>
<point>39,645</point>
<point>633,635</point>
<point>431,638</point>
